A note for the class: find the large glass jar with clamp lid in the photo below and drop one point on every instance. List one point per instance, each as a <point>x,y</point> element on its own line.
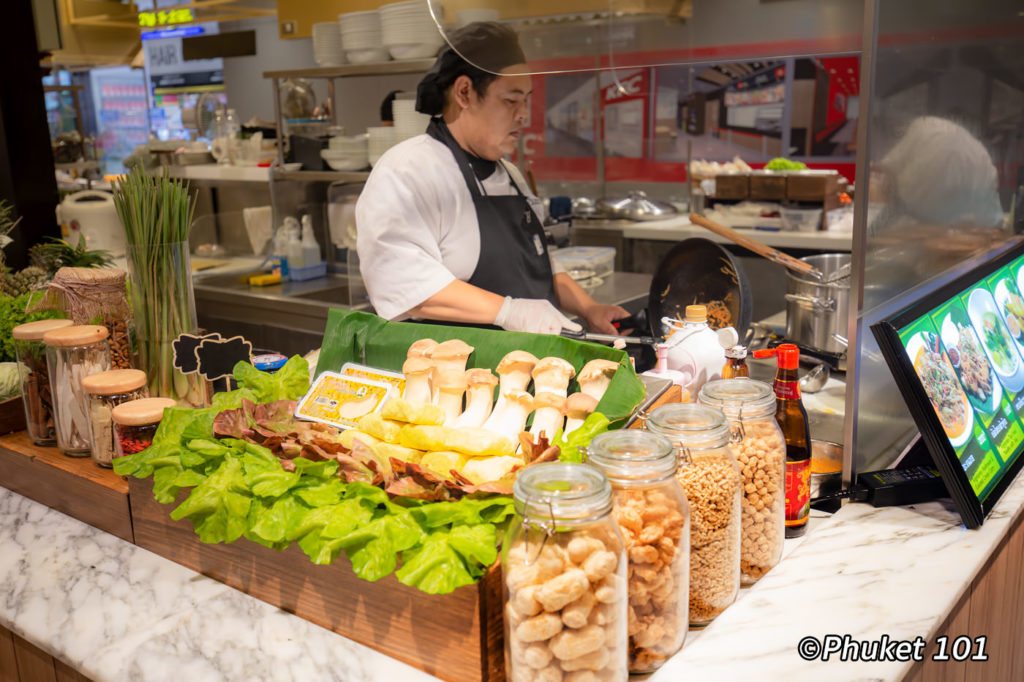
<point>564,572</point>
<point>654,519</point>
<point>761,455</point>
<point>711,481</point>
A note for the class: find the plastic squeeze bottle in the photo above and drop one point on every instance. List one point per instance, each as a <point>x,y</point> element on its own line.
<point>295,254</point>
<point>310,247</point>
<point>792,419</point>
<point>700,341</point>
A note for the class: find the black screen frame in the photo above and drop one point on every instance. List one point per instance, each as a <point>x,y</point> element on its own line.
<point>972,510</point>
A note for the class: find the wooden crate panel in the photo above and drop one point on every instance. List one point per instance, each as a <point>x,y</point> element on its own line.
<point>75,486</point>
<point>456,637</point>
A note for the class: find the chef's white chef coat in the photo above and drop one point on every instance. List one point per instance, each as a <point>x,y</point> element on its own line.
<point>416,224</point>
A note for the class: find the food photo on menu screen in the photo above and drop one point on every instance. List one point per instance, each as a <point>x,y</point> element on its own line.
<point>969,355</point>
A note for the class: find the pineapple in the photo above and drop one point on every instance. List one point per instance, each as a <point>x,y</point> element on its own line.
<point>16,284</point>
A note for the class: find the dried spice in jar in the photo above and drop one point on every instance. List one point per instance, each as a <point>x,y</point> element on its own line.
<point>73,353</point>
<point>564,572</point>
<point>136,422</point>
<point>30,352</point>
<point>761,455</point>
<point>95,296</point>
<point>711,481</point>
<point>654,519</point>
<point>107,390</point>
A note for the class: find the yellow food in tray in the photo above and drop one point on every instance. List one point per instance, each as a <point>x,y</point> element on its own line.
<point>342,401</point>
<point>402,410</point>
<point>354,369</point>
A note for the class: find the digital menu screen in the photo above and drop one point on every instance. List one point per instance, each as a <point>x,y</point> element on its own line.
<point>960,352</point>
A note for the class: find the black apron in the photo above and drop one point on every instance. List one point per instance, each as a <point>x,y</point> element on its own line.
<point>513,249</point>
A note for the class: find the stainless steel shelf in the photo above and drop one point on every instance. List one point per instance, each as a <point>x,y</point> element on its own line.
<point>321,176</point>
<point>373,69</point>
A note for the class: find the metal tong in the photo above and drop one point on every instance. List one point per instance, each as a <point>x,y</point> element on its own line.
<point>608,338</point>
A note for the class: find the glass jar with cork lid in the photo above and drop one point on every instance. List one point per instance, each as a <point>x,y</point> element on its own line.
<point>564,575</point>
<point>73,353</point>
<point>761,454</point>
<point>107,390</point>
<point>711,481</point>
<point>136,422</point>
<point>95,296</point>
<point>30,352</point>
<point>654,519</point>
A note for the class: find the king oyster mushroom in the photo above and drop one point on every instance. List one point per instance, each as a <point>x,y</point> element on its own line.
<point>421,348</point>
<point>419,373</point>
<point>578,407</point>
<point>450,356</point>
<point>511,421</point>
<point>480,385</point>
<point>552,375</point>
<point>451,386</point>
<point>513,375</point>
<point>595,377</point>
<point>547,418</point>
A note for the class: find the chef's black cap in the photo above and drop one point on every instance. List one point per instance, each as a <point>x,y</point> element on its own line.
<point>481,49</point>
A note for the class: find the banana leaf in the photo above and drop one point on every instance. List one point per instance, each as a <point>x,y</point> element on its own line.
<point>352,336</point>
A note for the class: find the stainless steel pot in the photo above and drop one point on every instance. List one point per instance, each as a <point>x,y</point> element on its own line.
<point>816,312</point>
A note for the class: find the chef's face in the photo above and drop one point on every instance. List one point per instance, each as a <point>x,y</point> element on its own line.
<point>493,122</point>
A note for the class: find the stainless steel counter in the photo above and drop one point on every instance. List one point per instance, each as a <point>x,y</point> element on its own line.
<point>290,317</point>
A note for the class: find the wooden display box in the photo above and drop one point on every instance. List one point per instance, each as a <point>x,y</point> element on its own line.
<point>732,186</point>
<point>456,637</point>
<point>767,186</point>
<point>12,415</point>
<point>75,486</point>
<point>815,186</point>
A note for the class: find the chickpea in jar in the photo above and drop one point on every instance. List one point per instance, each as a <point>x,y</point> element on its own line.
<point>653,517</point>
<point>711,481</point>
<point>564,575</point>
<point>761,455</point>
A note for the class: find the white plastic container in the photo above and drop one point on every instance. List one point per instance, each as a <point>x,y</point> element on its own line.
<point>693,340</point>
<point>584,262</point>
<point>801,219</point>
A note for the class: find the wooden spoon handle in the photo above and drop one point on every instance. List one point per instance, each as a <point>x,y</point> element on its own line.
<point>757,247</point>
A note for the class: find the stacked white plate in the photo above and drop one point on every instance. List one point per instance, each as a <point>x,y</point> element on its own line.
<point>381,138</point>
<point>408,121</point>
<point>408,30</point>
<point>346,153</point>
<point>327,50</point>
<point>361,37</point>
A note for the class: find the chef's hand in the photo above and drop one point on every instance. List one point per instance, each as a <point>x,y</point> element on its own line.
<point>599,318</point>
<point>532,315</point>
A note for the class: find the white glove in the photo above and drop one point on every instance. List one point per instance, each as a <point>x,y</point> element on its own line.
<point>533,315</point>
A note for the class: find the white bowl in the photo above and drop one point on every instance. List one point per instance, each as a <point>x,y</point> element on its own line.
<point>344,162</point>
<point>368,55</point>
<point>421,51</point>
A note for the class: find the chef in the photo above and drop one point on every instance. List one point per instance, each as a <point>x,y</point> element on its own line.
<point>447,228</point>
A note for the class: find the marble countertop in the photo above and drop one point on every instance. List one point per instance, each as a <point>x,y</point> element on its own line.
<point>118,612</point>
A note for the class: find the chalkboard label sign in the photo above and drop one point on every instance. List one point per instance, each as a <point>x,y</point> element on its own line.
<point>218,357</point>
<point>185,347</point>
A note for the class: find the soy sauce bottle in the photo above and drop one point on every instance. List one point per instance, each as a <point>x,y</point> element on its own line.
<point>792,419</point>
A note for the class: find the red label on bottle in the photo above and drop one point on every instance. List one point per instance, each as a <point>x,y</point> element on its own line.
<point>798,492</point>
<point>787,390</point>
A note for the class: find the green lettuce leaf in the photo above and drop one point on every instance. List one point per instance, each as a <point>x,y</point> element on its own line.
<point>574,448</point>
<point>219,506</point>
<point>434,566</point>
<point>373,547</point>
